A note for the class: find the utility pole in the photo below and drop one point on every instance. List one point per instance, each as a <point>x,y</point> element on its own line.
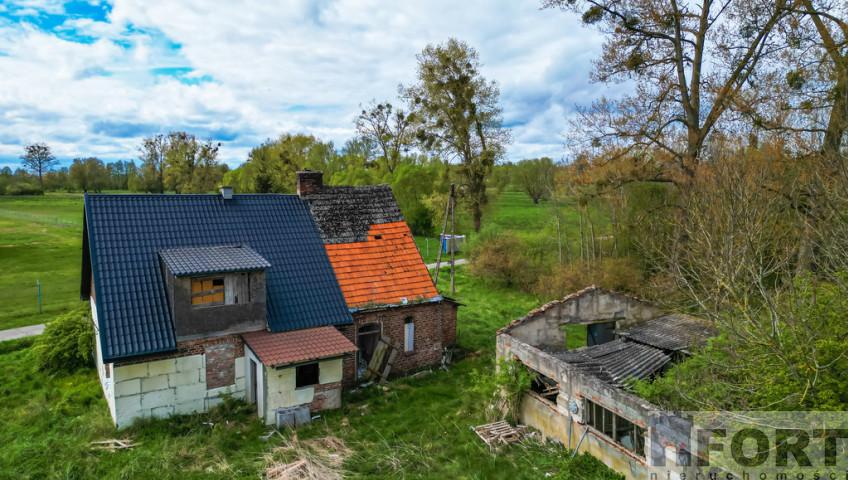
<point>453,237</point>
<point>442,238</point>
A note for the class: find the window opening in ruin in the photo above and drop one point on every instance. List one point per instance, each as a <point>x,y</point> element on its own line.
<point>367,336</point>
<point>306,375</point>
<point>619,429</point>
<point>545,386</point>
<point>600,333</point>
<point>575,336</point>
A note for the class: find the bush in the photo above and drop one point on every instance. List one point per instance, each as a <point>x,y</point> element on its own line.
<point>23,188</point>
<point>501,257</point>
<point>66,344</point>
<point>619,274</point>
<point>507,382</point>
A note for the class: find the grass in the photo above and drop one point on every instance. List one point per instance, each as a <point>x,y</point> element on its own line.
<point>33,249</point>
<point>412,428</point>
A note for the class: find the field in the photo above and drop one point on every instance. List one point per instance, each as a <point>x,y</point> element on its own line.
<point>40,242</point>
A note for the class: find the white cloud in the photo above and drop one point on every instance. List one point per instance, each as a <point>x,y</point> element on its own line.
<point>266,67</point>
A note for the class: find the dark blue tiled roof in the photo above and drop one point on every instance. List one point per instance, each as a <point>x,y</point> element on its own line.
<point>197,260</point>
<point>125,234</point>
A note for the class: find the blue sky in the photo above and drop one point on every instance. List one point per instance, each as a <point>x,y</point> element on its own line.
<point>92,78</point>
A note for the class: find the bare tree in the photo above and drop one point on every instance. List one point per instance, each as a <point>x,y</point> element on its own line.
<point>38,159</point>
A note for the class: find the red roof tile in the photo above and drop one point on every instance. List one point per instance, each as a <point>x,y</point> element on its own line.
<point>383,269</point>
<point>298,345</point>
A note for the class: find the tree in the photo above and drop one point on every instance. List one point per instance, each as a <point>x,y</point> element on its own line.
<point>151,172</point>
<point>191,166</point>
<point>89,174</point>
<point>689,65</point>
<point>271,166</point>
<point>534,176</point>
<point>391,129</point>
<point>459,116</point>
<point>38,159</point>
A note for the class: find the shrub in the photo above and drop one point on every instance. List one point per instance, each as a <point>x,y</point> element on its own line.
<point>501,257</point>
<point>66,344</point>
<point>619,274</point>
<point>23,188</point>
<point>507,382</point>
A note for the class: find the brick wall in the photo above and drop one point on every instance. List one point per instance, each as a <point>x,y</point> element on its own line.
<point>220,365</point>
<point>188,348</point>
<point>435,327</point>
<point>326,396</point>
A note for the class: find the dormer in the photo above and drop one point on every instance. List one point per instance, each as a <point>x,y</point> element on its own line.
<point>215,290</point>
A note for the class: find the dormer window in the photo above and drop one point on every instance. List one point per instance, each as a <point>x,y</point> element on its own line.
<point>206,292</point>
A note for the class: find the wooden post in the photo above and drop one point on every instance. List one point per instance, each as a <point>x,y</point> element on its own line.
<point>442,238</point>
<point>453,238</point>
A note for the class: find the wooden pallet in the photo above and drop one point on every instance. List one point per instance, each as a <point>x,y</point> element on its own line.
<point>500,433</point>
<point>114,444</point>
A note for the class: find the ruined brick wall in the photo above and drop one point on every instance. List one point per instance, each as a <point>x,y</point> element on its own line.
<point>326,397</point>
<point>435,327</point>
<point>220,365</point>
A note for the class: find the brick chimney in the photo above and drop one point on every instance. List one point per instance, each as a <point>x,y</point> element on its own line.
<point>309,182</point>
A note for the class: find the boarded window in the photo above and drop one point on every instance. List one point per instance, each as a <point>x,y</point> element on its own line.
<point>408,334</point>
<point>622,431</point>
<point>306,375</point>
<point>230,289</point>
<point>207,291</point>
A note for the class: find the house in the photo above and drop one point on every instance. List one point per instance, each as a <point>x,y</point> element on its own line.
<point>581,396</point>
<point>385,282</point>
<point>197,295</point>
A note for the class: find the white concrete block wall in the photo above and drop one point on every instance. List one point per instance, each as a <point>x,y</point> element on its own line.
<point>280,388</point>
<point>105,382</point>
<point>166,387</point>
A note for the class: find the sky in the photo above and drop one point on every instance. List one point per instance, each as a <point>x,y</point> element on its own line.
<point>93,78</point>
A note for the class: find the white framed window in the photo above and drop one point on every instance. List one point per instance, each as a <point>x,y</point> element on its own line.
<point>408,334</point>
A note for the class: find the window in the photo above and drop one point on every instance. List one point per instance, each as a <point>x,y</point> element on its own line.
<point>622,431</point>
<point>207,291</point>
<point>306,375</point>
<point>230,289</point>
<point>408,335</point>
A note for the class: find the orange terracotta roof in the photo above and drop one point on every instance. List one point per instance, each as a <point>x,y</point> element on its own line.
<point>294,346</point>
<point>383,269</point>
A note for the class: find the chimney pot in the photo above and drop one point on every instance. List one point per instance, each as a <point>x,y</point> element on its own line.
<point>226,192</point>
<point>309,182</point>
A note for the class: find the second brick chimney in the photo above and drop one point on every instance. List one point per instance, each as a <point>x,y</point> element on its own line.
<point>309,182</point>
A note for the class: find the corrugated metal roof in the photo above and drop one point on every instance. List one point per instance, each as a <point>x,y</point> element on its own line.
<point>673,332</point>
<point>126,232</point>
<point>198,260</point>
<point>298,346</point>
<point>616,361</point>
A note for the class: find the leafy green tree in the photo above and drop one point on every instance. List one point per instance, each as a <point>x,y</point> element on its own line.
<point>151,173</point>
<point>191,165</point>
<point>38,159</point>
<point>459,116</point>
<point>89,174</point>
<point>534,176</point>
<point>271,166</point>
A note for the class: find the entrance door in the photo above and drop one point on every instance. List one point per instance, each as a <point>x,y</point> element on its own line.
<point>600,333</point>
<point>367,336</point>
